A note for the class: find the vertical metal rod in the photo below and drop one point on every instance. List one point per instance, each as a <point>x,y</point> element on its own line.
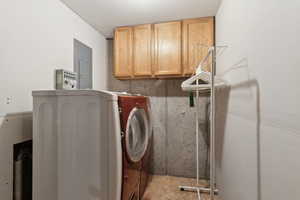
<point>78,76</point>
<point>197,131</point>
<point>212,190</point>
<point>212,126</point>
<point>199,194</point>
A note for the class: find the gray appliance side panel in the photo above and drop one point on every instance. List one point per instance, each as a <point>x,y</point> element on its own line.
<point>45,148</point>
<point>83,148</point>
<point>115,151</point>
<point>76,148</point>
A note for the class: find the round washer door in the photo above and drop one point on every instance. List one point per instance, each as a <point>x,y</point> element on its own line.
<point>137,134</point>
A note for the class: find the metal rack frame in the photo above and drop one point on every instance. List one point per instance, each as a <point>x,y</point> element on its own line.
<point>210,83</point>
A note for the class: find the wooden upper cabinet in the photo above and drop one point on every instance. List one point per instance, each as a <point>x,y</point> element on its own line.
<point>164,50</point>
<point>123,52</point>
<point>197,33</point>
<point>142,37</point>
<point>167,49</point>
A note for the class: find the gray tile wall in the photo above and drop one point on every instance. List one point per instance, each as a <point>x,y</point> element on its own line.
<point>174,136</point>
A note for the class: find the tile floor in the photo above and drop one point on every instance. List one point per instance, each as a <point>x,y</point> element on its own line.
<point>166,188</point>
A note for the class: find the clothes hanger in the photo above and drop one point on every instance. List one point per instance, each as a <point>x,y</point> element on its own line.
<point>192,84</point>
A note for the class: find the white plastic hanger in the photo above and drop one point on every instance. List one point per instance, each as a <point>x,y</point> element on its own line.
<point>192,84</point>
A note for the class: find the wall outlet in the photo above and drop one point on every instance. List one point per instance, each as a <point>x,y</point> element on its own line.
<point>8,100</point>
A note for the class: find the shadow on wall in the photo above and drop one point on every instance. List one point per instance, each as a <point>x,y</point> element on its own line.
<point>222,103</point>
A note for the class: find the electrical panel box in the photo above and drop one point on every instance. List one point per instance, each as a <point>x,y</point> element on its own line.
<point>65,80</point>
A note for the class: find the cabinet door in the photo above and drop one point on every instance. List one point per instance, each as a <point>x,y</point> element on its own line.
<point>142,50</point>
<point>197,33</point>
<point>123,52</point>
<point>167,49</point>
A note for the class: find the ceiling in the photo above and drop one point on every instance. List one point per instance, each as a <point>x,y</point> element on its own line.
<point>106,15</point>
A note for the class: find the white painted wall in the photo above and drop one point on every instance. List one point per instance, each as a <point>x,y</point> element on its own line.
<point>14,128</point>
<point>258,151</point>
<point>36,37</point>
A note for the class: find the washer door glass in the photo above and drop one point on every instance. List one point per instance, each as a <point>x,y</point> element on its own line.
<point>137,134</point>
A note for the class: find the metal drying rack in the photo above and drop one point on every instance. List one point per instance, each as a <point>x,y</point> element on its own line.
<point>210,82</point>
